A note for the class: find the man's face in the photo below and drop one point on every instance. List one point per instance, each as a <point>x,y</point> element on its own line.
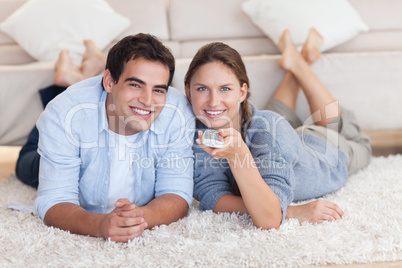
<point>134,103</point>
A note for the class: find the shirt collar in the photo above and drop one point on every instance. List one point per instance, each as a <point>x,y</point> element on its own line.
<point>159,124</point>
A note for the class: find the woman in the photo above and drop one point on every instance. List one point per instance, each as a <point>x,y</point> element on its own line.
<point>266,163</point>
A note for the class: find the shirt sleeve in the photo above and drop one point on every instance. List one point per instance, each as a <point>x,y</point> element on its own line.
<point>59,162</point>
<point>174,170</point>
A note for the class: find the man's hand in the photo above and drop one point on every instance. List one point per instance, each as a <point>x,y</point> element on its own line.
<point>124,223</point>
<point>315,212</point>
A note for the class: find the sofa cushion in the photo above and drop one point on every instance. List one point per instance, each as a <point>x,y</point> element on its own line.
<point>7,8</point>
<point>147,16</point>
<point>34,27</point>
<point>245,46</point>
<point>13,54</point>
<point>372,41</point>
<point>337,21</point>
<point>380,15</point>
<point>209,19</point>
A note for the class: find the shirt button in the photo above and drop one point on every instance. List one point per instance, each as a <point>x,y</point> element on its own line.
<point>103,206</point>
<point>108,154</point>
<point>106,182</point>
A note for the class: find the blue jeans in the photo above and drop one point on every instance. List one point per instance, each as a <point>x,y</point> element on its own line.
<point>27,168</point>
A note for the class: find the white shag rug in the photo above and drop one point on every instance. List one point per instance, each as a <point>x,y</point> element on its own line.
<point>370,231</point>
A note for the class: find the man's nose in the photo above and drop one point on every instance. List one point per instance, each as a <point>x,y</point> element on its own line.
<point>146,97</point>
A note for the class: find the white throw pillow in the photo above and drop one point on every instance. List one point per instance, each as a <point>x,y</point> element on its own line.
<point>335,20</point>
<point>44,27</point>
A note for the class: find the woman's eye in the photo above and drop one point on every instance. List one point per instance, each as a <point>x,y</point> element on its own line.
<point>225,89</point>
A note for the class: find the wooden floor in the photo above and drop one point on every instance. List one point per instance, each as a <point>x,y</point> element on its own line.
<point>384,142</point>
<point>8,159</point>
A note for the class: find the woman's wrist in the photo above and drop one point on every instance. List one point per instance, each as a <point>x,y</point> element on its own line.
<point>241,157</point>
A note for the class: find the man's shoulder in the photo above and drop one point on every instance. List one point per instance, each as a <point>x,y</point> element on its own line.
<point>80,101</point>
<point>176,102</point>
<point>88,91</point>
<point>176,114</point>
<point>175,96</point>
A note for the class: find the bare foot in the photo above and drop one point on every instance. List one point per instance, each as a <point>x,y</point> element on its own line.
<point>93,61</point>
<point>67,73</point>
<point>290,55</point>
<point>311,49</point>
<point>315,212</point>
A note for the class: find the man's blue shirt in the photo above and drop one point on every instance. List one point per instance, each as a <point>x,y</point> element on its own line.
<point>75,151</point>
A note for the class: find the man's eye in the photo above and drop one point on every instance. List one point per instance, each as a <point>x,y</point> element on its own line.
<point>202,89</point>
<point>159,91</point>
<point>134,85</point>
<point>225,89</point>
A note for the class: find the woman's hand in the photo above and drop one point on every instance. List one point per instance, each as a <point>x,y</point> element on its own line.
<point>234,145</point>
<point>315,212</point>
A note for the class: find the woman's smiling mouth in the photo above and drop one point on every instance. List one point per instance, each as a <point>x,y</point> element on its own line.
<point>214,114</point>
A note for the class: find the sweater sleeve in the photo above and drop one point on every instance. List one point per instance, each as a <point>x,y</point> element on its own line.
<point>274,145</point>
<point>210,179</point>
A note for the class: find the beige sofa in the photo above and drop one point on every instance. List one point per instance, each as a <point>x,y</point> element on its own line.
<point>364,74</point>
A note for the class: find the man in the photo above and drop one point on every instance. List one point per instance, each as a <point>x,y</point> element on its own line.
<point>115,151</point>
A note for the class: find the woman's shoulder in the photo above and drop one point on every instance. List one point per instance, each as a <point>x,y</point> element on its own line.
<point>268,127</point>
<point>266,119</point>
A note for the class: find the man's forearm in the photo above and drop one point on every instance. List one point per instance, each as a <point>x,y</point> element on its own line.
<point>165,209</point>
<point>73,218</point>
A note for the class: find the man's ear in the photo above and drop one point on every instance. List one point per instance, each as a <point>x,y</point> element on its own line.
<point>188,95</point>
<point>243,92</point>
<point>107,81</point>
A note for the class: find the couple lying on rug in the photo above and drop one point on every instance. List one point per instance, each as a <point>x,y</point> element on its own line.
<point>117,152</point>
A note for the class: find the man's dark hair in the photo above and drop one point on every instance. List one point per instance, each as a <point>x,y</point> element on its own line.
<point>138,46</point>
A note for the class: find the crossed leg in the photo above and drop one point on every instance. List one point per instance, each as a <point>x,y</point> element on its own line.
<point>323,106</point>
<point>288,90</point>
<point>68,73</point>
<point>299,75</point>
<point>93,61</point>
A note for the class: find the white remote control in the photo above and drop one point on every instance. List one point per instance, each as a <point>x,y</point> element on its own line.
<point>211,138</point>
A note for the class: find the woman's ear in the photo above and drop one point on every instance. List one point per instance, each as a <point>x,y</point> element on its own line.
<point>188,94</point>
<point>243,92</point>
<point>107,81</point>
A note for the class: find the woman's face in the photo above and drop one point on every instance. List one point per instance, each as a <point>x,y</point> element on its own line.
<point>216,94</point>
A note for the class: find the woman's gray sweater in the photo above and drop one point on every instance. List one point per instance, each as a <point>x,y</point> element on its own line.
<point>296,167</point>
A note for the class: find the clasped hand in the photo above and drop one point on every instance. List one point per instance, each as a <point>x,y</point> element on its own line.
<point>124,223</point>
